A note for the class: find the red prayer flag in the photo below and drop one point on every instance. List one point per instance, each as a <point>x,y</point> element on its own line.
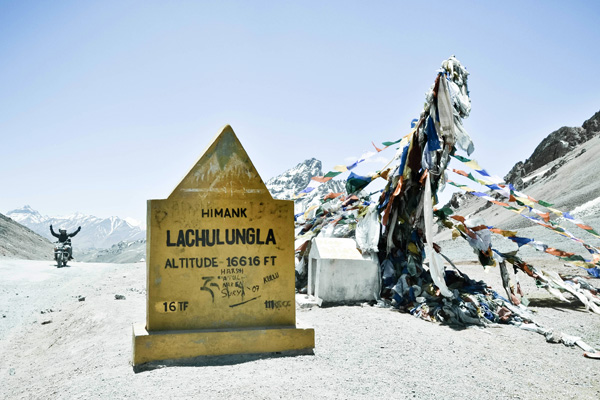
<point>331,196</point>
<point>377,148</point>
<point>321,179</point>
<point>460,172</point>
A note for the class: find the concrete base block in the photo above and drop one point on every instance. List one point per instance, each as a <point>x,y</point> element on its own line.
<point>339,273</point>
<point>172,345</point>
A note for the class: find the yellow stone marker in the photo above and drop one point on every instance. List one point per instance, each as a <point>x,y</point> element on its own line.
<point>220,264</point>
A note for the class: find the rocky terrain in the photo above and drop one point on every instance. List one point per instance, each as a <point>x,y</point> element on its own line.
<point>556,145</point>
<point>286,185</point>
<point>570,182</point>
<point>122,252</point>
<point>291,182</point>
<point>20,242</point>
<point>67,334</point>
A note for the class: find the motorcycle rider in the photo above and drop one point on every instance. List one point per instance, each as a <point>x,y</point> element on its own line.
<point>63,237</point>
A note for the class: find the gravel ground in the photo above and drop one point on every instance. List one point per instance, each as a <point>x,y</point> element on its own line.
<point>56,345</point>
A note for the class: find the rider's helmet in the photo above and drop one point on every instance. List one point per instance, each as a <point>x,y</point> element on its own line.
<point>62,230</point>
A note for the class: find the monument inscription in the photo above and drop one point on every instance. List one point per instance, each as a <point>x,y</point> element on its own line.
<point>218,267</point>
<point>220,255</point>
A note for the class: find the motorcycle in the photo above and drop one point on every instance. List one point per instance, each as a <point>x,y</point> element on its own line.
<point>61,253</point>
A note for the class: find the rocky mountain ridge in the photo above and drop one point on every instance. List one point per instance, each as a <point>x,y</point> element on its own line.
<point>291,182</point>
<point>556,145</point>
<point>568,180</point>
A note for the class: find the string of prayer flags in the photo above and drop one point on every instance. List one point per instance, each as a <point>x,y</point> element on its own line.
<point>339,169</point>
<point>554,283</point>
<point>316,181</point>
<point>388,144</point>
<point>474,165</point>
<point>580,224</point>
<point>552,225</point>
<point>537,220</point>
<point>564,255</point>
<point>519,197</point>
<point>525,200</point>
<point>460,186</point>
<point>520,241</point>
<point>484,196</point>
<point>503,190</point>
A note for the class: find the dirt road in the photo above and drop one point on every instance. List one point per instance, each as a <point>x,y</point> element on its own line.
<point>63,334</point>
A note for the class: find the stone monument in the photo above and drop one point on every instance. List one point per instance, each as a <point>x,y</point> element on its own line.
<point>338,272</point>
<point>220,264</point>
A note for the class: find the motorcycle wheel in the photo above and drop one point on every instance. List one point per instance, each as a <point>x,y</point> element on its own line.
<point>59,261</point>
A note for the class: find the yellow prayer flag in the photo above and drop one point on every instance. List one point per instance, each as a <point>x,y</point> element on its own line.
<point>309,210</point>
<point>526,201</point>
<point>473,165</point>
<point>455,233</point>
<point>413,248</point>
<point>555,211</point>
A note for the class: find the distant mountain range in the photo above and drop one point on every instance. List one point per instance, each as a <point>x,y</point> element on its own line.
<point>563,169</point>
<point>99,233</point>
<point>122,252</point>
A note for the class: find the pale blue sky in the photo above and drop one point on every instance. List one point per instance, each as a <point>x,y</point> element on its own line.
<point>106,104</point>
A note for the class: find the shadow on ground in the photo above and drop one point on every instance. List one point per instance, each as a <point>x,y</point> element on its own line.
<point>556,304</point>
<point>216,361</point>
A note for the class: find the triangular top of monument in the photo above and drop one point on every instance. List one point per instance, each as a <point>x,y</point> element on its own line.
<point>224,169</point>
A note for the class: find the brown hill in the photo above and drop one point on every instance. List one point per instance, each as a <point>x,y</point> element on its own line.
<point>569,179</point>
<point>17,241</point>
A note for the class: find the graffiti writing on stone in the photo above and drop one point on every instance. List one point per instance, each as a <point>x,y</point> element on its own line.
<point>271,277</point>
<point>277,304</point>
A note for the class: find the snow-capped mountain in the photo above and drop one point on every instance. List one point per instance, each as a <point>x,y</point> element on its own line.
<point>287,185</point>
<point>95,232</point>
<point>116,234</point>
